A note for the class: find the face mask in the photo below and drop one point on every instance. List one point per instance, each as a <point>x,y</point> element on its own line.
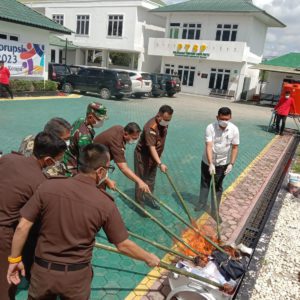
<point>287,97</point>
<point>98,124</point>
<point>132,142</point>
<point>100,181</point>
<point>164,123</point>
<point>223,123</point>
<point>67,143</point>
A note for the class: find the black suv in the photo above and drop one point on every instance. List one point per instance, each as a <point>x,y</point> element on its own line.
<point>106,82</point>
<point>57,72</point>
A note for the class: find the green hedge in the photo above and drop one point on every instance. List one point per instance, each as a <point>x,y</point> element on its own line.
<point>32,85</point>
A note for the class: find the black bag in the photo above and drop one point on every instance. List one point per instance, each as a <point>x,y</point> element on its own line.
<point>228,267</point>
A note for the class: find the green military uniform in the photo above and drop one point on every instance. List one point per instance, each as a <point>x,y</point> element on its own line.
<point>82,134</point>
<point>26,147</point>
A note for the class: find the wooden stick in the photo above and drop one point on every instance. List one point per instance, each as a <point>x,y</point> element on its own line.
<point>216,205</point>
<point>165,228</point>
<point>180,197</point>
<point>165,266</point>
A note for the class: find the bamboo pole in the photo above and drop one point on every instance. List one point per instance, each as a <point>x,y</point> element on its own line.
<point>216,205</point>
<point>165,266</point>
<point>180,197</point>
<point>187,223</point>
<point>165,228</point>
<point>164,248</point>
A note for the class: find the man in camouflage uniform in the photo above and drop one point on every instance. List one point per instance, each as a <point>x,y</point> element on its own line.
<point>57,126</point>
<point>82,134</point>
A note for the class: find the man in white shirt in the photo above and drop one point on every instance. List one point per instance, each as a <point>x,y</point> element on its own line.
<point>221,150</point>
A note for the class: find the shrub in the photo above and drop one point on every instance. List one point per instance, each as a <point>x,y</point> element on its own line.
<point>18,85</point>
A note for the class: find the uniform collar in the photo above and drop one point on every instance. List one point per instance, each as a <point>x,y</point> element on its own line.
<point>85,179</point>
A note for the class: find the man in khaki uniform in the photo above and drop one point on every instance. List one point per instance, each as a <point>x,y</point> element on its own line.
<point>149,150</point>
<point>72,211</point>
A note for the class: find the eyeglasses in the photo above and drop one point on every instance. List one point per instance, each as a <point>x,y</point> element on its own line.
<point>109,169</point>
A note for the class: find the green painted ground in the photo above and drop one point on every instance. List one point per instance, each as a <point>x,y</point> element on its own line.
<point>116,276</point>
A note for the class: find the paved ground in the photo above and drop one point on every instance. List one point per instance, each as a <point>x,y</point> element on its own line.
<point>114,276</point>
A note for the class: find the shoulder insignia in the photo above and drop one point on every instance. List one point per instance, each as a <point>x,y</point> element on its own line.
<point>152,132</point>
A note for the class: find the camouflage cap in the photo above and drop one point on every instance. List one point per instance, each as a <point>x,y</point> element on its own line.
<point>98,109</point>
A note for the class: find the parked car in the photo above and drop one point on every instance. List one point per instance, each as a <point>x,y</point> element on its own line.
<point>106,82</point>
<point>141,83</point>
<point>173,84</point>
<point>158,85</point>
<point>57,72</point>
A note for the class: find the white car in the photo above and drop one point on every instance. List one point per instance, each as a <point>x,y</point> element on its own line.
<point>141,83</point>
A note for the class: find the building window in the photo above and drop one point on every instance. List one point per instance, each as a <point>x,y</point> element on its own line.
<point>83,24</point>
<point>58,19</point>
<point>174,30</point>
<point>226,32</point>
<point>5,36</point>
<point>53,52</point>
<point>219,79</point>
<point>60,57</point>
<point>186,75</point>
<point>115,25</point>
<point>169,69</point>
<point>191,31</point>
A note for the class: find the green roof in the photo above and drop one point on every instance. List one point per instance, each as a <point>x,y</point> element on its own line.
<point>16,12</point>
<point>236,6</point>
<point>290,60</point>
<point>158,2</point>
<point>56,41</point>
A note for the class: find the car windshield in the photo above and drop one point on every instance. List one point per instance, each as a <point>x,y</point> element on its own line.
<point>146,76</point>
<point>123,75</point>
<point>62,69</point>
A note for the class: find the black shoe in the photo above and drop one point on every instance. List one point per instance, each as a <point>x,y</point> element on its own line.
<point>154,204</point>
<point>276,133</point>
<point>281,133</point>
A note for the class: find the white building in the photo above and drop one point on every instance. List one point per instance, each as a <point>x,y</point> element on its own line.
<point>103,29</point>
<point>212,44</point>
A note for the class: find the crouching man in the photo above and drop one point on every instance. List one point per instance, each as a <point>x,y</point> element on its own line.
<point>71,212</point>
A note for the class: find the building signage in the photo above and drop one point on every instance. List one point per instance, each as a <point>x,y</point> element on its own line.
<point>23,59</point>
<point>187,50</point>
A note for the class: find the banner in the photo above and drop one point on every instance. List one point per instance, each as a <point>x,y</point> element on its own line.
<point>187,51</point>
<point>23,59</point>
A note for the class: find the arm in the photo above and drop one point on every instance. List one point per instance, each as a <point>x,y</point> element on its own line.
<point>132,176</point>
<point>209,152</point>
<point>131,249</point>
<point>234,154</point>
<point>18,242</point>
<point>156,158</point>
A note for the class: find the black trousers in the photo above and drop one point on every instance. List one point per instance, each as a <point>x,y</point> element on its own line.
<point>205,186</point>
<point>282,119</point>
<point>5,87</point>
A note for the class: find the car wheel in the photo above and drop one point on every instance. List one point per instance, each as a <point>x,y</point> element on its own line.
<point>105,93</point>
<point>119,97</point>
<point>67,88</point>
<point>171,94</point>
<point>138,95</point>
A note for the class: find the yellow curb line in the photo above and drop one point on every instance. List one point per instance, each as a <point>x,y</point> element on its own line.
<point>73,96</point>
<point>143,287</point>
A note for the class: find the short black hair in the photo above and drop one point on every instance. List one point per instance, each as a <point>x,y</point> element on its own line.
<point>132,127</point>
<point>57,126</point>
<point>288,92</point>
<point>92,157</point>
<point>166,109</point>
<point>48,144</point>
<point>225,111</point>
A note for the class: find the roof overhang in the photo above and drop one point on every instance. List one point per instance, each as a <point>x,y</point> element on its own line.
<point>277,69</point>
<point>62,31</point>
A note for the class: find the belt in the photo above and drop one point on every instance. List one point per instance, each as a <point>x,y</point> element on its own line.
<point>59,267</point>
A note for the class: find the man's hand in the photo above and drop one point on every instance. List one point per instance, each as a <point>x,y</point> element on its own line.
<point>153,260</point>
<point>212,169</point>
<point>163,168</point>
<point>228,169</point>
<point>144,187</point>
<point>111,184</point>
<point>13,276</point>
